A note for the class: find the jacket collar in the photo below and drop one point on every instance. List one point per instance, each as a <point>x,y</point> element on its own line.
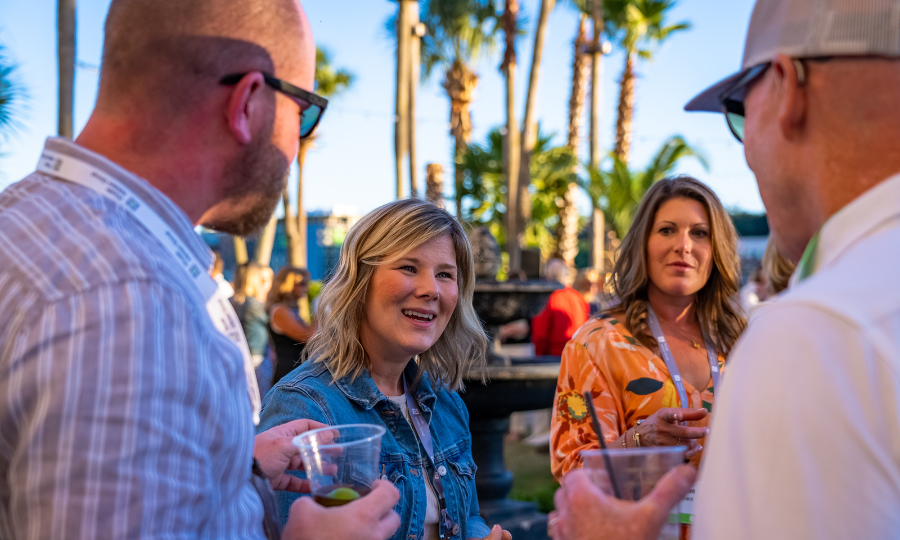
<point>366,394</point>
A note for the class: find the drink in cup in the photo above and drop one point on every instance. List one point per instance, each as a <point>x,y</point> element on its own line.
<point>636,472</point>
<point>341,461</point>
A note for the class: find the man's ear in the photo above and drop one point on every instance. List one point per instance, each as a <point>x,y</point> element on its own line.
<point>791,78</point>
<point>246,106</point>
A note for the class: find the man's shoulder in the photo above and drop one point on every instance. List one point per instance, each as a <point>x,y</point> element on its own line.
<point>61,239</point>
<point>860,287</point>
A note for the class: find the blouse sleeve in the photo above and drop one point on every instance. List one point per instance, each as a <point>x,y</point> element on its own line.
<point>571,428</point>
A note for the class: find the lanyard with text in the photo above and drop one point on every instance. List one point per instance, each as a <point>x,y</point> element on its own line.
<point>217,305</point>
<point>448,526</point>
<point>666,353</point>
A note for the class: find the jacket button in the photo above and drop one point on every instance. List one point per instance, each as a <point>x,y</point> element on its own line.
<point>443,472</point>
<point>455,530</point>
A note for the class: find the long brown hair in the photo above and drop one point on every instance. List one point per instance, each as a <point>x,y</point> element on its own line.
<point>720,318</point>
<point>381,237</point>
<point>282,290</point>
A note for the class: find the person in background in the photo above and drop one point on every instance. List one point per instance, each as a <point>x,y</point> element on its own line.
<point>805,444</point>
<point>588,283</point>
<point>776,269</point>
<point>252,282</point>
<point>566,311</point>
<point>216,273</point>
<point>397,336</point>
<point>754,291</point>
<point>675,278</point>
<point>288,331</point>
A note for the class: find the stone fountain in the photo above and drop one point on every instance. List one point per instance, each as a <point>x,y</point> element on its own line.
<point>514,384</point>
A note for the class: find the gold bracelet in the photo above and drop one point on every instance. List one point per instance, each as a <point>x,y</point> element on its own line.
<point>625,440</point>
<point>637,438</point>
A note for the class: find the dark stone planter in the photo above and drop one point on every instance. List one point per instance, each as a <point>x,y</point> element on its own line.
<point>514,384</point>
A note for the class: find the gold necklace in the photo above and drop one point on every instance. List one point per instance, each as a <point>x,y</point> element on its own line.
<point>678,334</point>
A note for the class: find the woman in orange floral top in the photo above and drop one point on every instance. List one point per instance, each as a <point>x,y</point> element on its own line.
<point>679,260</point>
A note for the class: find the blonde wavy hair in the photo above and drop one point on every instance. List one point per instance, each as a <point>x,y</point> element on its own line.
<point>382,237</point>
<point>776,269</point>
<point>720,317</point>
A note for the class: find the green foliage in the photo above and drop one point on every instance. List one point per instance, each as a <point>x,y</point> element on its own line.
<point>458,30</point>
<point>330,81</point>
<point>484,187</point>
<point>748,224</point>
<point>618,191</point>
<point>12,96</point>
<point>638,25</point>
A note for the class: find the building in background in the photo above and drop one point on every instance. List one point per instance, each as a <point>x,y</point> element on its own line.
<point>325,233</point>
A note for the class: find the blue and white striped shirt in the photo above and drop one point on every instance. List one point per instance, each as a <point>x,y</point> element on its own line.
<point>123,411</point>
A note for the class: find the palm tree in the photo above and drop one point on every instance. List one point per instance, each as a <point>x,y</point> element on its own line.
<point>330,82</point>
<point>522,211</point>
<point>12,96</point>
<point>512,144</point>
<point>637,26</point>
<point>65,27</point>
<point>619,190</point>
<point>457,33</point>
<point>551,170</point>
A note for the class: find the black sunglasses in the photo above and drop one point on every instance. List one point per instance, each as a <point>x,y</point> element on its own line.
<point>732,100</point>
<point>314,107</point>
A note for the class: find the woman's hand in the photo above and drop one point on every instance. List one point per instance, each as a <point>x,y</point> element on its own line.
<point>496,534</point>
<point>662,428</point>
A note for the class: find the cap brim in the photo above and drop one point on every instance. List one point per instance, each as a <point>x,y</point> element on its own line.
<point>708,100</point>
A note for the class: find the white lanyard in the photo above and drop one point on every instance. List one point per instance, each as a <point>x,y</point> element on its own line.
<point>666,353</point>
<point>217,305</point>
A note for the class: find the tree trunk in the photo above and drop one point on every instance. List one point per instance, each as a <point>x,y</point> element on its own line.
<point>596,81</point>
<point>263,253</point>
<point>579,80</point>
<point>511,147</point>
<point>460,84</point>
<point>290,227</point>
<point>434,182</point>
<point>598,237</point>
<point>567,228</point>
<point>625,110</point>
<point>66,49</point>
<point>529,127</point>
<point>415,58</point>
<point>299,247</point>
<point>240,250</point>
<point>401,128</point>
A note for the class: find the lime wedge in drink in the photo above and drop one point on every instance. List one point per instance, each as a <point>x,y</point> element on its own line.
<point>343,494</point>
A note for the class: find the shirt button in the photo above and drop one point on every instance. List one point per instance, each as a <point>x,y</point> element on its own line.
<point>384,477</point>
<point>443,472</point>
<point>455,530</point>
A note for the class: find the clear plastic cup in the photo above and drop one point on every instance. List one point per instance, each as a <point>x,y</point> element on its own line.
<point>635,472</point>
<point>341,461</point>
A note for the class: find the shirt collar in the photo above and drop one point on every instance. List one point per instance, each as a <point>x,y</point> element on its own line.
<point>859,219</point>
<point>170,213</point>
<point>365,392</point>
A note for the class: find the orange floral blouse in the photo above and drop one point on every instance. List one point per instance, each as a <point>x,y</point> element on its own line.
<point>628,382</point>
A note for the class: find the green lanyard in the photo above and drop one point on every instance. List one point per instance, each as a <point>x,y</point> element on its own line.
<point>807,265</point>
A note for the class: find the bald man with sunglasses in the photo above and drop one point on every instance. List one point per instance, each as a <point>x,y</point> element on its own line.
<point>127,393</point>
<point>806,440</point>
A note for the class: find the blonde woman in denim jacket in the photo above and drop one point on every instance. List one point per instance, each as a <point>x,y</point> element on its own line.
<point>397,316</point>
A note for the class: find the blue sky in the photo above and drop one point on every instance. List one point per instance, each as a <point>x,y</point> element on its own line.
<point>352,163</point>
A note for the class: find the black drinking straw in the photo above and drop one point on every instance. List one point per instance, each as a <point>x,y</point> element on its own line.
<point>599,432</point>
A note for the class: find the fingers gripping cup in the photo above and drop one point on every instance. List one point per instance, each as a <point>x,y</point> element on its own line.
<point>636,472</point>
<point>341,461</point>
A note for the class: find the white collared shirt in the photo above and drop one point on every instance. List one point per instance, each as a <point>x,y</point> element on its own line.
<point>805,443</point>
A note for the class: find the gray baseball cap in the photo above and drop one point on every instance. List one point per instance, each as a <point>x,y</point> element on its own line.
<point>808,29</point>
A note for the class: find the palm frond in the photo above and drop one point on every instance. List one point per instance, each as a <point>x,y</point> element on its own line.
<point>12,97</point>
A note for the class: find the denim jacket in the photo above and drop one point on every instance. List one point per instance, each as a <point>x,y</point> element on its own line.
<point>310,392</point>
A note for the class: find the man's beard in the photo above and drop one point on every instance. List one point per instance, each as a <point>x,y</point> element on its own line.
<point>256,181</point>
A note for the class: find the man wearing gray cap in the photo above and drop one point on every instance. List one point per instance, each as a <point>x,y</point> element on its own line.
<point>806,441</point>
